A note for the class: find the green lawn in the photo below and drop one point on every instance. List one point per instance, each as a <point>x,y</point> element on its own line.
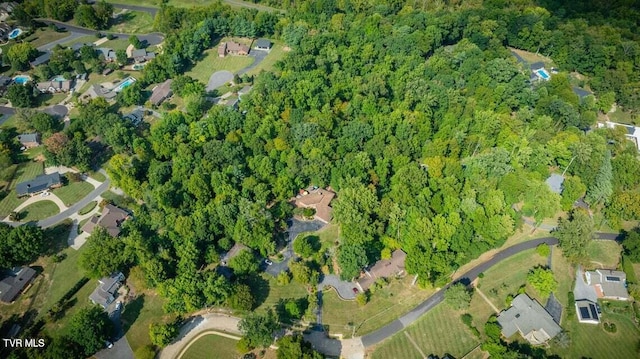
<point>73,192</point>
<point>44,36</point>
<point>138,315</point>
<point>276,54</point>
<point>39,210</point>
<point>51,99</point>
<point>133,22</point>
<point>386,305</point>
<point>592,341</point>
<point>98,176</point>
<point>507,276</point>
<point>88,208</point>
<point>438,332</point>
<point>64,276</point>
<point>212,346</point>
<point>621,116</point>
<point>605,254</point>
<point>80,300</point>
<point>81,40</point>
<point>268,284</point>
<point>191,3</point>
<point>211,63</point>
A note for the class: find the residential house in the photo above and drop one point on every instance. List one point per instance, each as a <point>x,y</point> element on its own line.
<point>135,116</point>
<point>141,55</point>
<point>581,93</point>
<point>6,9</point>
<point>161,93</point>
<point>632,133</point>
<point>587,311</point>
<point>608,284</point>
<point>29,140</point>
<point>263,44</point>
<point>5,29</point>
<point>15,283</point>
<point>39,184</point>
<point>107,290</point>
<point>42,59</point>
<point>318,199</point>
<point>111,219</point>
<point>5,81</point>
<point>384,268</point>
<point>232,48</point>
<point>108,54</point>
<point>96,91</point>
<point>527,317</point>
<point>54,86</point>
<point>555,182</point>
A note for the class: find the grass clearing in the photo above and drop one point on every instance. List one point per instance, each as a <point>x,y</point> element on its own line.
<point>132,22</point>
<point>138,314</point>
<point>276,54</point>
<point>88,208</point>
<point>211,63</point>
<point>386,305</point>
<point>73,192</point>
<point>507,276</point>
<point>44,36</point>
<point>621,116</point>
<point>80,300</point>
<point>98,176</point>
<point>267,283</point>
<point>438,332</point>
<point>604,254</point>
<point>39,210</point>
<point>564,273</point>
<point>212,346</point>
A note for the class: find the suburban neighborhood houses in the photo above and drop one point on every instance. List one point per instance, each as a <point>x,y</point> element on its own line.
<point>319,179</point>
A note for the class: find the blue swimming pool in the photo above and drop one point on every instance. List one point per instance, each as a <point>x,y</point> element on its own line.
<point>21,79</point>
<point>543,74</point>
<point>15,33</point>
<point>124,84</point>
<point>58,78</point>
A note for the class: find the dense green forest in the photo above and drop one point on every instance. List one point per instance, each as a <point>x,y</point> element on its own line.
<point>418,116</point>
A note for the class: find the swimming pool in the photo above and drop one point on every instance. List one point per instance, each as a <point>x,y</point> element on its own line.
<point>58,78</point>
<point>124,84</point>
<point>15,33</point>
<point>543,74</point>
<point>21,79</point>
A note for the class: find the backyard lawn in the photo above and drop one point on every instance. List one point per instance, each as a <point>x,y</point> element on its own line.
<point>386,305</point>
<point>437,332</point>
<point>604,254</point>
<point>138,314</point>
<point>211,63</point>
<point>132,22</point>
<point>24,171</point>
<point>73,192</point>
<point>44,36</point>
<point>64,276</point>
<point>98,176</point>
<point>39,210</point>
<point>274,292</point>
<point>276,54</point>
<point>212,346</point>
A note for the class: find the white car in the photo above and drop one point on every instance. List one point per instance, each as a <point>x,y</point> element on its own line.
<point>45,194</point>
<point>269,262</point>
<point>118,305</point>
<point>109,345</point>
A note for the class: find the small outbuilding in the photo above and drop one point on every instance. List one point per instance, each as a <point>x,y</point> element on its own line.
<point>263,44</point>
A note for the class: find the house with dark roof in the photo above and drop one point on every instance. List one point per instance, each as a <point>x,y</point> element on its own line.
<point>108,54</point>
<point>608,284</point>
<point>587,311</point>
<point>161,93</point>
<point>42,59</point>
<point>263,44</point>
<point>318,199</point>
<point>96,91</point>
<point>581,93</point>
<point>15,283</point>
<point>29,140</point>
<point>54,86</point>
<point>528,318</point>
<point>107,290</point>
<point>111,219</point>
<point>135,116</point>
<point>5,81</point>
<point>39,184</point>
<point>384,268</point>
<point>141,55</point>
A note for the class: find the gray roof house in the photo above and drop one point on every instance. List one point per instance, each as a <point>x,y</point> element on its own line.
<point>107,290</point>
<point>582,93</point>
<point>161,93</point>
<point>42,59</point>
<point>527,317</point>
<point>111,219</point>
<point>263,44</point>
<point>54,86</point>
<point>555,183</point>
<point>587,311</point>
<point>141,55</point>
<point>38,184</point>
<point>96,91</point>
<point>15,283</point>
<point>29,140</point>
<point>135,116</point>
<point>608,284</point>
<point>107,53</point>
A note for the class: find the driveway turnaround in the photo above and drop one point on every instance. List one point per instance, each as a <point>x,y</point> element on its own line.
<point>343,288</point>
<point>295,228</point>
<point>219,78</point>
<point>197,325</point>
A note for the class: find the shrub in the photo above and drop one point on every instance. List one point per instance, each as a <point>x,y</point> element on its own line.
<point>481,275</point>
<point>508,300</point>
<point>362,299</point>
<point>571,309</point>
<point>284,278</point>
<point>543,250</point>
<point>243,345</point>
<point>610,327</point>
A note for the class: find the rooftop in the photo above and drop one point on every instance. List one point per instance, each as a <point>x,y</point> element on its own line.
<point>587,311</point>
<point>319,199</point>
<point>608,283</point>
<point>12,285</point>
<point>555,183</point>
<point>26,138</point>
<point>111,219</point>
<point>384,268</point>
<point>161,92</point>
<point>107,288</point>
<point>38,184</point>
<point>529,318</point>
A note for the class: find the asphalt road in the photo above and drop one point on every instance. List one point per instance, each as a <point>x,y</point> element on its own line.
<point>72,36</point>
<point>151,39</point>
<point>48,222</point>
<point>402,322</point>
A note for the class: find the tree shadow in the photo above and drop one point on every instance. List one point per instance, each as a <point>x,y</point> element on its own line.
<point>122,18</point>
<point>58,236</point>
<point>132,312</point>
<point>260,289</point>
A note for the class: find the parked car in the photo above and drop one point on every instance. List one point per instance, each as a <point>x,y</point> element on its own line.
<point>118,305</point>
<point>269,262</point>
<point>45,194</point>
<point>108,344</point>
<point>355,290</point>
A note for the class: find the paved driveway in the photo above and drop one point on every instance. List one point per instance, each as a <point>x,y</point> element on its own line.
<point>344,289</point>
<point>295,228</point>
<point>258,56</point>
<point>219,78</point>
<point>121,348</point>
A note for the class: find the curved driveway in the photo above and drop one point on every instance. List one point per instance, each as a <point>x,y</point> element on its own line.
<point>48,222</point>
<point>152,39</point>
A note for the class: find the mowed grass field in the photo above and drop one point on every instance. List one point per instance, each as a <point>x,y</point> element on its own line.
<point>437,332</point>
<point>604,254</point>
<point>385,305</point>
<point>39,210</point>
<point>211,63</point>
<point>132,22</point>
<point>212,346</point>
<point>139,314</point>
<point>276,54</point>
<point>73,192</point>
